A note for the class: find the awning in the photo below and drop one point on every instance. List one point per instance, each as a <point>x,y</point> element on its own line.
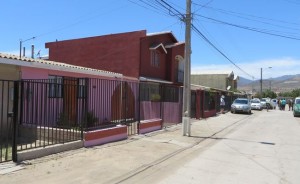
<point>147,79</point>
<point>159,47</point>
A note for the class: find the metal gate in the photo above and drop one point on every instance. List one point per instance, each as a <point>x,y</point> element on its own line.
<point>7,128</point>
<point>128,93</point>
<point>193,104</point>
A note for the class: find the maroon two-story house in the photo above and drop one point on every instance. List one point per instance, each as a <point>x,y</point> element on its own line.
<point>147,57</point>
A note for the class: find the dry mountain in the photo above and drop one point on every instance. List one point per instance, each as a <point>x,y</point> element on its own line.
<point>279,84</point>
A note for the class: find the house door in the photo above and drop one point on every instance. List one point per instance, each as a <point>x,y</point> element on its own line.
<point>70,100</point>
<point>123,107</point>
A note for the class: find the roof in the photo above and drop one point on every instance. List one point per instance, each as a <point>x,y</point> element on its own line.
<point>161,33</point>
<point>212,72</point>
<point>174,45</point>
<point>141,33</point>
<point>217,72</point>
<point>40,63</point>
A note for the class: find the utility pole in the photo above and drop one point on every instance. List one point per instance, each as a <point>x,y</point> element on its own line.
<point>187,73</point>
<point>260,82</point>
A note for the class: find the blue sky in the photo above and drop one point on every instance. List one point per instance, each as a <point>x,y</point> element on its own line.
<point>63,19</point>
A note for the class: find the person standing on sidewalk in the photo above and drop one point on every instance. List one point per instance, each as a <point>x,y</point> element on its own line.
<point>222,104</point>
<point>283,103</point>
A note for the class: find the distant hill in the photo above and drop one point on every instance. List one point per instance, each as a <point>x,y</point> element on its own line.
<point>278,84</point>
<point>243,81</point>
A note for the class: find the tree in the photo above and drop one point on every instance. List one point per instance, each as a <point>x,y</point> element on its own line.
<point>294,93</point>
<point>270,94</point>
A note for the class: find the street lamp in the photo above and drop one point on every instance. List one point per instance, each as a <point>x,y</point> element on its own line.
<point>261,69</point>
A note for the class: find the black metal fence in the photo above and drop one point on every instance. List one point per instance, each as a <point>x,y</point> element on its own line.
<point>112,102</point>
<point>51,112</point>
<point>39,113</point>
<point>161,101</point>
<point>6,120</point>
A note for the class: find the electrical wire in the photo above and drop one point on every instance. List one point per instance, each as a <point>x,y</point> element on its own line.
<point>243,15</point>
<point>177,13</point>
<point>268,32</point>
<point>218,50</point>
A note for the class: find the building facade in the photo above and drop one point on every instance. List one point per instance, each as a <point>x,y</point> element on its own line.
<point>220,80</point>
<point>151,57</point>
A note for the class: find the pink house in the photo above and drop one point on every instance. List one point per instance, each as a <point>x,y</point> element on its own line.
<point>60,95</point>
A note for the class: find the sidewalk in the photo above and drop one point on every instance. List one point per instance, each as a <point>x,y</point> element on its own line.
<point>111,163</point>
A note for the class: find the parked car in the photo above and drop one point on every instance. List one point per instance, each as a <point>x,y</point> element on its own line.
<point>263,103</point>
<point>266,103</point>
<point>296,108</point>
<point>242,105</point>
<point>255,104</point>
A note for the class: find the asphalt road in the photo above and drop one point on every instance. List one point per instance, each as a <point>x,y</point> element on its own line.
<point>230,148</point>
<point>261,148</point>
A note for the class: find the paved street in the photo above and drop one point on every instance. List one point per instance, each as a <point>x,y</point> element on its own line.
<point>231,148</point>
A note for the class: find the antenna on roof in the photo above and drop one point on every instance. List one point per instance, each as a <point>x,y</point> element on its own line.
<point>32,51</point>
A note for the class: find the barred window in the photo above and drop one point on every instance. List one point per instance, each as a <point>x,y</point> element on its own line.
<point>82,88</point>
<point>171,94</point>
<point>149,92</point>
<point>55,89</point>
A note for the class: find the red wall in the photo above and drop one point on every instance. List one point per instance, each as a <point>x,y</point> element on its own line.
<point>117,52</point>
<point>168,65</point>
<point>177,50</point>
<point>125,53</point>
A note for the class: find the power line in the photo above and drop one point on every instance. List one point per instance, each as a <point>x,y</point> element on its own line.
<point>218,50</point>
<point>151,7</point>
<point>203,6</point>
<point>170,8</point>
<point>250,28</point>
<point>243,15</point>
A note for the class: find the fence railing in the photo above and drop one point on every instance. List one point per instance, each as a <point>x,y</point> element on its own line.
<point>59,109</point>
<point>51,112</point>
<point>6,120</point>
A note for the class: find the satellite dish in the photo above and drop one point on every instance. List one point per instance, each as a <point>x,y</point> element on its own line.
<point>228,88</point>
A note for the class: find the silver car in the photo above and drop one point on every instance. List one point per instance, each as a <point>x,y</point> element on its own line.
<point>242,105</point>
<point>255,104</point>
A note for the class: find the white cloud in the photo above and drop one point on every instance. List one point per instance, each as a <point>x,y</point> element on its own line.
<point>280,67</point>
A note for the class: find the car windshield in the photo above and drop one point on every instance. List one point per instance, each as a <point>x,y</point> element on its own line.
<point>263,100</point>
<point>239,101</point>
<point>297,101</point>
<point>255,101</point>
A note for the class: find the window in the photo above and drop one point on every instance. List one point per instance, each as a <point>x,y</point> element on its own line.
<point>171,94</point>
<point>149,92</point>
<point>55,87</point>
<point>155,58</point>
<point>180,71</point>
<point>82,88</point>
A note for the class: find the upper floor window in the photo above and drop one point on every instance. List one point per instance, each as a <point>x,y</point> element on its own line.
<point>155,58</point>
<point>55,87</point>
<point>180,72</point>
